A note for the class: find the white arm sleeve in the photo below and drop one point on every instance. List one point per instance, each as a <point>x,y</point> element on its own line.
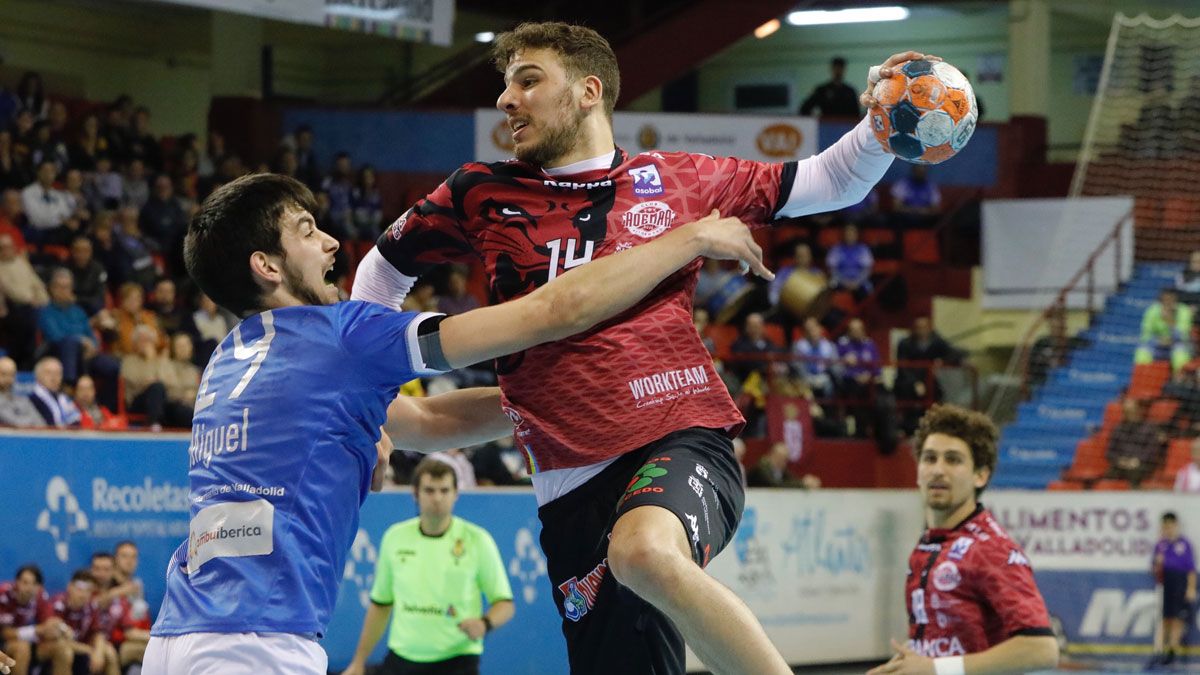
<point>840,176</point>
<point>377,281</point>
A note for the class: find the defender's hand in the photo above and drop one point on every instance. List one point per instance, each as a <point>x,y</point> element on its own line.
<point>729,239</point>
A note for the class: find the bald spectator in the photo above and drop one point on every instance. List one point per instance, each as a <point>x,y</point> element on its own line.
<point>56,408</point>
<point>89,276</point>
<point>92,415</point>
<point>22,293</point>
<point>46,207</point>
<point>146,372</point>
<point>15,410</point>
<point>130,314</point>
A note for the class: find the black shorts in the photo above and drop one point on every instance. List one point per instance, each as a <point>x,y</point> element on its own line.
<point>691,473</point>
<point>1175,604</point>
<point>395,664</point>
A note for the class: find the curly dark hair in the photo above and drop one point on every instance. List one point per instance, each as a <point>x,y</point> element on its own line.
<point>973,428</point>
<point>584,52</point>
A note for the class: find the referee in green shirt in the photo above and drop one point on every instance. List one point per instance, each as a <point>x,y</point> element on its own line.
<point>430,576</point>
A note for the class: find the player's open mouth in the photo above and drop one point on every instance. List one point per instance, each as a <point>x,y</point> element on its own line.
<point>517,126</point>
<point>328,275</point>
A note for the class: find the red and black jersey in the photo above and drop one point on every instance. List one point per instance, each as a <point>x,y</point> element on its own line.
<point>85,621</point>
<point>625,382</point>
<point>970,588</point>
<point>14,614</point>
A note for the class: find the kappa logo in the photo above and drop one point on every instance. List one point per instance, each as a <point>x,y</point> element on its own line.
<point>648,219</point>
<point>397,228</point>
<point>646,181</point>
<point>528,565</point>
<point>958,550</point>
<point>946,577</point>
<point>1015,557</point>
<point>579,595</point>
<point>513,416</point>
<point>62,517</point>
<point>360,567</point>
<point>695,525</point>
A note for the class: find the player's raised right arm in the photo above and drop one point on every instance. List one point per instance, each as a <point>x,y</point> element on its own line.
<point>591,293</point>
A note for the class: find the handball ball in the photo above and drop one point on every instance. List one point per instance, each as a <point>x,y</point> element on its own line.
<point>926,111</point>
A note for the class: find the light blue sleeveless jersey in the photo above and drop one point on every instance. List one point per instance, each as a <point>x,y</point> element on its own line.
<point>283,446</point>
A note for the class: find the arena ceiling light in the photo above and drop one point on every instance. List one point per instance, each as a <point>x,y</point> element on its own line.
<point>825,17</point>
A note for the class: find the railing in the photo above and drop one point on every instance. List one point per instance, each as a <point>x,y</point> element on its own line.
<point>1086,276</point>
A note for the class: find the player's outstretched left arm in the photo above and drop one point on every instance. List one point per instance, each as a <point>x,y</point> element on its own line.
<point>1016,655</point>
<point>591,293</point>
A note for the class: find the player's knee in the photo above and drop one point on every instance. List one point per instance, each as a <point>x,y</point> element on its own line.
<point>63,653</point>
<point>20,651</point>
<point>640,561</point>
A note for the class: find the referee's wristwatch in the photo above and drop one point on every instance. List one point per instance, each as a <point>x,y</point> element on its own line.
<point>487,624</point>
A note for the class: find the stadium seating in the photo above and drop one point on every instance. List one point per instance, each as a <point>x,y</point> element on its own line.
<point>1081,398</point>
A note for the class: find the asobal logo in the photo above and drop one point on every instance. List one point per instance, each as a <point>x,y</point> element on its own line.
<point>62,516</point>
<point>360,566</point>
<point>528,565</point>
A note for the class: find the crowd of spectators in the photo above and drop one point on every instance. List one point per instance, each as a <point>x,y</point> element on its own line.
<point>100,623</point>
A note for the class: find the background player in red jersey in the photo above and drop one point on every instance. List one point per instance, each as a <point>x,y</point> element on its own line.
<point>627,426</point>
<point>973,606</point>
<point>19,602</point>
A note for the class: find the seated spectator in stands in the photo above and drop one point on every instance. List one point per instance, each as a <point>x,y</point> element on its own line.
<point>457,298</point>
<point>339,185</point>
<point>701,321</point>
<point>1187,282</point>
<point>47,149</point>
<point>1052,350</point>
<point>1136,447</point>
<point>92,415</point>
<point>171,317</point>
<point>68,334</point>
<point>20,600</point>
<point>147,372</point>
<point>116,130</point>
<point>131,314</point>
<point>1166,332</point>
<point>15,410</point>
<point>850,264</point>
<point>753,341</point>
<point>138,249</point>
<point>84,645</point>
<point>89,276</point>
<point>108,250</point>
<point>771,472</point>
<point>31,94</point>
<point>913,381</point>
<point>816,358</point>
<point>12,217</point>
<point>916,200</point>
<point>142,143</point>
<point>210,324</point>
<point>1185,388</point>
<point>1187,479</point>
<point>834,98</point>
<point>80,205</point>
<point>22,294</point>
<point>106,186</point>
<point>46,207</point>
<point>88,145</point>
<point>14,173</point>
<point>367,202</point>
<point>52,403</point>
<point>185,375</point>
<point>135,188</point>
<point>861,368</point>
<point>163,219</point>
<point>802,259</point>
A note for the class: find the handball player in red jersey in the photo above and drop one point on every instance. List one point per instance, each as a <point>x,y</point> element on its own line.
<point>973,606</point>
<point>626,427</point>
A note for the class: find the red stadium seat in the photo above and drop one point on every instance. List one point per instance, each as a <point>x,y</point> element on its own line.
<point>878,236</point>
<point>1089,463</point>
<point>1112,416</point>
<point>828,237</point>
<point>1148,379</point>
<point>723,337</point>
<point>921,246</point>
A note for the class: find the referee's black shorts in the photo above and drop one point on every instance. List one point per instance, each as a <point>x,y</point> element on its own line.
<point>1175,604</point>
<point>691,473</point>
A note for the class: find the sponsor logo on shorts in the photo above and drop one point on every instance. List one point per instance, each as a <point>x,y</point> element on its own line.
<point>958,550</point>
<point>579,595</point>
<point>642,479</point>
<point>230,530</point>
<point>946,576</point>
<point>696,486</point>
<point>694,522</point>
<point>646,181</point>
<point>701,471</point>
<point>648,219</point>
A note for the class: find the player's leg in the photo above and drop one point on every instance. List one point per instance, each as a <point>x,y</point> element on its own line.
<point>681,509</point>
<point>112,664</point>
<point>57,654</point>
<point>21,652</point>
<point>133,650</point>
